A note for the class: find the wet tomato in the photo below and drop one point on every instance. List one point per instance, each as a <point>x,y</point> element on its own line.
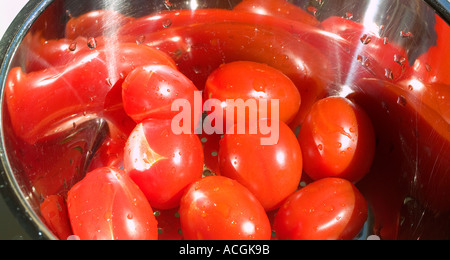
<point>149,92</point>
<point>338,140</point>
<point>329,209</point>
<point>218,208</point>
<point>271,172</point>
<point>107,205</point>
<point>162,163</point>
<point>277,8</point>
<point>251,81</point>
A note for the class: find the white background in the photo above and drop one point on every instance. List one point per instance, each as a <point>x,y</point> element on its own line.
<point>8,11</point>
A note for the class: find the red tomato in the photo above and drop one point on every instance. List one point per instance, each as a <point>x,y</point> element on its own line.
<point>271,172</point>
<point>95,23</point>
<point>338,140</point>
<point>54,212</point>
<point>107,205</point>
<point>253,81</point>
<point>149,92</point>
<point>329,209</point>
<point>218,208</point>
<point>162,163</point>
<point>278,8</point>
<point>43,54</point>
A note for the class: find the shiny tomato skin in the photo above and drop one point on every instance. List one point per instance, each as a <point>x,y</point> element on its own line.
<point>329,209</point>
<point>337,140</point>
<point>218,208</point>
<point>271,172</point>
<point>251,80</point>
<point>148,93</point>
<point>107,205</point>
<point>36,115</point>
<point>162,163</point>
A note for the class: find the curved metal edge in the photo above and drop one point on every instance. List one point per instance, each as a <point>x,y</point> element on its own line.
<point>10,189</point>
<point>442,7</point>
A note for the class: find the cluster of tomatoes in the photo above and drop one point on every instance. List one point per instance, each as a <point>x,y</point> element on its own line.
<point>163,170</point>
<point>144,181</point>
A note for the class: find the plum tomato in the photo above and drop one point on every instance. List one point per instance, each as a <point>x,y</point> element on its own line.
<point>328,209</point>
<point>271,172</point>
<point>219,208</point>
<point>149,92</point>
<point>337,140</point>
<point>162,163</point>
<point>253,81</point>
<point>108,205</point>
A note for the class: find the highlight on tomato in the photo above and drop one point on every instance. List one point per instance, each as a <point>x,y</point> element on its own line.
<point>219,208</point>
<point>328,209</point>
<point>252,81</point>
<point>337,140</point>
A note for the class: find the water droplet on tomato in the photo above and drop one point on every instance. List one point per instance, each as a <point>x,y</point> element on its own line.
<point>92,43</point>
<point>389,74</point>
<point>363,60</point>
<point>320,147</point>
<point>130,216</point>
<point>365,39</point>
<point>399,59</point>
<point>140,39</point>
<point>167,23</point>
<point>73,46</point>
<point>402,101</point>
